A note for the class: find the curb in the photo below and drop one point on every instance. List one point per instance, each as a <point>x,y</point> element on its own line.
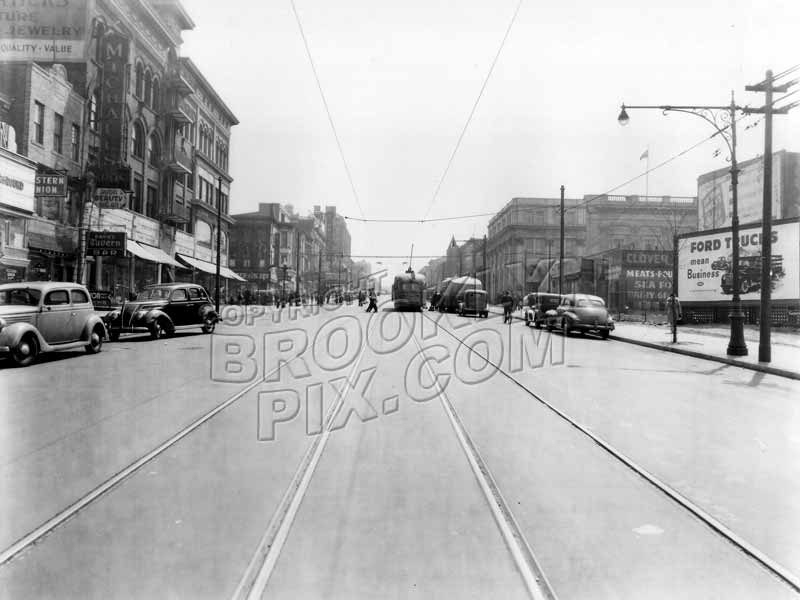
<point>728,361</point>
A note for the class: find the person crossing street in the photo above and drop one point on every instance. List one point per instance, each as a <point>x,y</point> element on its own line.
<point>373,302</point>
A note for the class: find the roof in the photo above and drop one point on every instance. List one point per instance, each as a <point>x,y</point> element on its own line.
<point>208,88</point>
<point>45,286</point>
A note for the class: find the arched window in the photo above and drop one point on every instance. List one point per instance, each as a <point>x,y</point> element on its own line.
<point>137,140</point>
<point>153,150</point>
<point>148,88</point>
<point>94,103</point>
<point>156,94</point>
<point>139,80</point>
<point>202,232</point>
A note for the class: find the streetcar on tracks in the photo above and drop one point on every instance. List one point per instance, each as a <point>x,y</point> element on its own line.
<point>408,291</point>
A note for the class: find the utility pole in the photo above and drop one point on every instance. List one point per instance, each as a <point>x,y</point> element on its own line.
<point>319,277</point>
<point>549,264</point>
<point>765,318</point>
<point>219,237</point>
<point>561,260</point>
<point>673,305</point>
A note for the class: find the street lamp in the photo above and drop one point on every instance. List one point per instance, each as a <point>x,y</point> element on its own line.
<point>723,120</point>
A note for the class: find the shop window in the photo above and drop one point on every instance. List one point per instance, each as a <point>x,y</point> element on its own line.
<point>58,133</point>
<point>38,122</point>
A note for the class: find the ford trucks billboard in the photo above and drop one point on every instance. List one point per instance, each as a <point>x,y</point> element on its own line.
<point>704,264</point>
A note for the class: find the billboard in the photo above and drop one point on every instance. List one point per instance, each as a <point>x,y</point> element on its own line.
<point>715,198</point>
<point>704,264</point>
<point>44,31</point>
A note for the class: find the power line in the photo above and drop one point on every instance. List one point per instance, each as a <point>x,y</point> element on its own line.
<point>327,109</point>
<point>472,112</point>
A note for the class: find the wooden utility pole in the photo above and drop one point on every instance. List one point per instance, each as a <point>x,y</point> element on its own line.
<point>765,317</point>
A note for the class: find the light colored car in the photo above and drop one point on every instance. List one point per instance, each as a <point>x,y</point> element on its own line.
<point>45,316</point>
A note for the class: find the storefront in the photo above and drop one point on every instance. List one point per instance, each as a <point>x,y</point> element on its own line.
<point>51,249</point>
<point>205,273</point>
<point>17,181</point>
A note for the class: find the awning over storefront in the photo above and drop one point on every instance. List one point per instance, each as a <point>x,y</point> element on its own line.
<point>159,255</point>
<point>150,253</point>
<point>208,267</point>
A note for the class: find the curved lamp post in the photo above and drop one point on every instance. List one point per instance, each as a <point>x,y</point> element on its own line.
<point>723,120</point>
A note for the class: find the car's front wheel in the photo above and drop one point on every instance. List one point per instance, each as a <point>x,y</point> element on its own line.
<point>26,351</point>
<point>158,329</point>
<point>209,324</point>
<point>95,341</point>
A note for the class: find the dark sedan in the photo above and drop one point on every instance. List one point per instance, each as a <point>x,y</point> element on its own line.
<point>162,309</point>
<point>582,313</point>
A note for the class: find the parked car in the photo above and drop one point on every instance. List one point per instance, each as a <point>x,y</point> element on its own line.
<point>45,316</point>
<point>473,303</point>
<point>163,308</point>
<point>536,305</point>
<point>580,312</point>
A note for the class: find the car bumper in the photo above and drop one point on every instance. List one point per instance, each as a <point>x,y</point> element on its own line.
<point>591,327</point>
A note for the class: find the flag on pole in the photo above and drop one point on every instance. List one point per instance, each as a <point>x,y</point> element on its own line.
<point>645,154</point>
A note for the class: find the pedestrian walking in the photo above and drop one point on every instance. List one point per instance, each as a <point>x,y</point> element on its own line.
<point>373,302</point>
<point>674,312</point>
<point>508,304</point>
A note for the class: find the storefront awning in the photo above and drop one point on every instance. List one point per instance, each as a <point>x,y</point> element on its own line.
<point>160,256</point>
<point>208,267</point>
<point>150,253</point>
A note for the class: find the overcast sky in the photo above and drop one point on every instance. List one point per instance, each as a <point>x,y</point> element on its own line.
<point>400,80</point>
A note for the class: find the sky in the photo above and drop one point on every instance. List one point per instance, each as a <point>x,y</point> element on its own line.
<point>400,80</point>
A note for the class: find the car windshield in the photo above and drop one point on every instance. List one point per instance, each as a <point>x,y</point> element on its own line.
<point>154,293</point>
<point>20,297</point>
<point>590,302</point>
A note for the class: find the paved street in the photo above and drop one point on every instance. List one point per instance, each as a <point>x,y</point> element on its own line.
<point>469,487</point>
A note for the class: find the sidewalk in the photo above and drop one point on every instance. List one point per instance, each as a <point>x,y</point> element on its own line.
<point>712,343</point>
<point>709,342</point>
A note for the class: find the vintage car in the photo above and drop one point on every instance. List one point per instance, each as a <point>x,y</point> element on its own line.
<point>44,316</point>
<point>473,302</point>
<point>161,309</point>
<point>536,305</point>
<point>580,312</point>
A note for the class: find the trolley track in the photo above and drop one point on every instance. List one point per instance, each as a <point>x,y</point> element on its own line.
<point>703,516</point>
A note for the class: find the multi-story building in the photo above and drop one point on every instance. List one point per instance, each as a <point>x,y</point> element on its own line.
<point>526,232</point>
<point>337,247</point>
<point>47,115</point>
<point>274,237</point>
<point>637,222</point>
<point>134,128</point>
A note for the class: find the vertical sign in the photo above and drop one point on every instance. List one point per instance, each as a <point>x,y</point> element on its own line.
<point>113,94</point>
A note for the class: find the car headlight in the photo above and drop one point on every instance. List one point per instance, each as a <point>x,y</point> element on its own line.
<point>610,319</point>
<point>112,316</point>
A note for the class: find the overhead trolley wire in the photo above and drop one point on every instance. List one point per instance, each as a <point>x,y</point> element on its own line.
<point>327,108</point>
<point>472,112</point>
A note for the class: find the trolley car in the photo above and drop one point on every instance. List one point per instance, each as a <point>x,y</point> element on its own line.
<point>408,291</point>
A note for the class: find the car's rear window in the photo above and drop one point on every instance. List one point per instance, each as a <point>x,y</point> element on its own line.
<point>590,302</point>
<point>20,297</point>
<point>79,297</point>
